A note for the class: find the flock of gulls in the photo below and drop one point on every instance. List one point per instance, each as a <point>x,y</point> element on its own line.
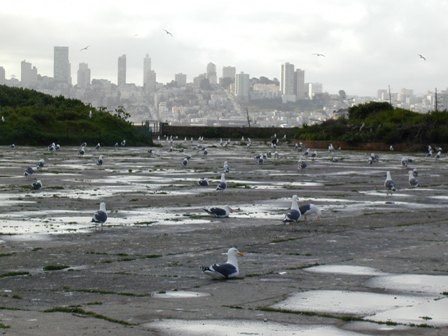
<point>294,214</point>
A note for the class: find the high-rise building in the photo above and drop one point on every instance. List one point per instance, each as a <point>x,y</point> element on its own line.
<point>146,70</point>
<point>288,81</point>
<point>83,76</point>
<point>211,74</point>
<point>228,72</point>
<point>242,86</point>
<point>180,79</point>
<point>61,66</point>
<point>2,75</point>
<point>121,70</point>
<point>28,74</point>
<point>313,89</point>
<point>300,84</point>
<point>151,82</point>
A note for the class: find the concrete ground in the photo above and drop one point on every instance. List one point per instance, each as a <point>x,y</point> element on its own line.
<point>63,277</point>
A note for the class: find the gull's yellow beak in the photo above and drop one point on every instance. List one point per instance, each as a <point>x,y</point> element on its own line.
<point>241,254</point>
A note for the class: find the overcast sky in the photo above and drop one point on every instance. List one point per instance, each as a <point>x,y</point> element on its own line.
<point>368,44</point>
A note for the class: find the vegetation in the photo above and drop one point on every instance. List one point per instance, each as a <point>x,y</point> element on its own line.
<point>28,117</point>
<point>381,122</point>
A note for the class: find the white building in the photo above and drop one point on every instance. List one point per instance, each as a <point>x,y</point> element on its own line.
<point>242,86</point>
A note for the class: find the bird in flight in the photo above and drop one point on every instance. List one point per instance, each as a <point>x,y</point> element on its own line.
<point>319,55</point>
<point>168,32</point>
<point>85,48</point>
<point>422,57</point>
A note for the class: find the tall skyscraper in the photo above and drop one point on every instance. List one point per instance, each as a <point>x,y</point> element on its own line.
<point>242,86</point>
<point>287,79</point>
<point>2,75</point>
<point>228,72</point>
<point>300,84</point>
<point>211,74</point>
<point>61,66</point>
<point>121,70</point>
<point>146,70</point>
<point>83,76</point>
<point>28,74</point>
<point>180,79</point>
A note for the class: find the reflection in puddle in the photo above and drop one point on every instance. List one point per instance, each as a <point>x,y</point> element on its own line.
<point>346,302</point>
<point>179,295</point>
<point>345,269</point>
<point>417,283</point>
<point>241,327</point>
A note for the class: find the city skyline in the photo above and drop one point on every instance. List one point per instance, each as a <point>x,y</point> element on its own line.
<point>367,45</point>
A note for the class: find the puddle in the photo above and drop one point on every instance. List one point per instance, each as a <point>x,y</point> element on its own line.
<point>242,327</point>
<point>433,313</point>
<point>179,295</point>
<point>416,283</point>
<point>346,302</point>
<point>345,269</point>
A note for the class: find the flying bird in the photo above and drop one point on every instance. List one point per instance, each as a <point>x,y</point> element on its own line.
<point>319,55</point>
<point>422,57</point>
<point>227,270</point>
<point>85,48</point>
<point>167,32</point>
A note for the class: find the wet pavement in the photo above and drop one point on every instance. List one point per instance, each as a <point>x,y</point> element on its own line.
<point>373,264</point>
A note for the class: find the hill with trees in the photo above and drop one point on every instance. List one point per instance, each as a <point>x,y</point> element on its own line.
<point>28,117</point>
<point>381,122</point>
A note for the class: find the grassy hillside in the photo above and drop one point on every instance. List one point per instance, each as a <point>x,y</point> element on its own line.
<point>34,118</point>
<point>381,122</point>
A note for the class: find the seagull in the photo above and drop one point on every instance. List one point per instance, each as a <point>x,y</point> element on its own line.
<point>294,214</point>
<point>29,171</point>
<point>36,185</point>
<point>227,270</point>
<point>203,182</point>
<point>185,162</point>
<point>100,161</point>
<point>3,119</point>
<point>301,164</point>
<point>226,167</point>
<point>422,57</point>
<point>219,212</point>
<point>167,32</point>
<point>319,55</point>
<point>40,164</point>
<point>310,209</point>
<point>413,182</point>
<point>389,184</point>
<point>85,48</point>
<point>223,183</point>
<point>100,216</point>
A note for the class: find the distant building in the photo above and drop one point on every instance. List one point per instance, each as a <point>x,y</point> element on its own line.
<point>288,83</point>
<point>147,75</point>
<point>313,89</point>
<point>300,84</point>
<point>83,80</point>
<point>229,72</point>
<point>211,74</point>
<point>242,86</point>
<point>180,79</point>
<point>61,66</point>
<point>28,74</point>
<point>2,75</point>
<point>121,81</point>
